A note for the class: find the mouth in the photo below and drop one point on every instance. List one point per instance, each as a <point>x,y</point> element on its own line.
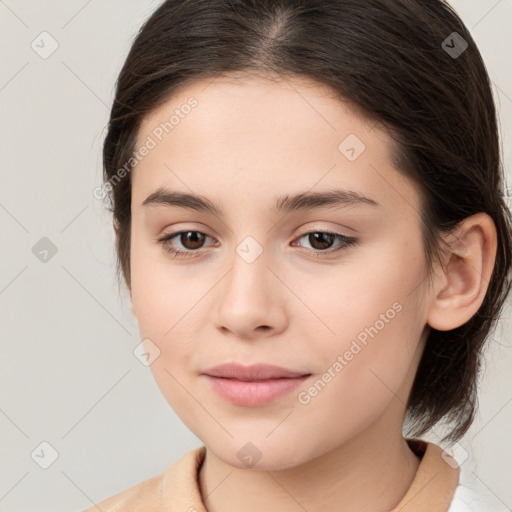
<point>259,380</point>
<point>255,372</point>
<point>254,392</point>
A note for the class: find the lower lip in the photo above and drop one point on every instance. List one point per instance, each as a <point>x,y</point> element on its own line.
<point>254,393</point>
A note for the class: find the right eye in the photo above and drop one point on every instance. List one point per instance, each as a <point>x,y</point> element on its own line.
<point>194,239</point>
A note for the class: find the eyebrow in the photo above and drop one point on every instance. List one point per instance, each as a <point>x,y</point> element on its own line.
<point>285,204</point>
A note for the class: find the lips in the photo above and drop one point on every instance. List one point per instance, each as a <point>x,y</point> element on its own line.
<point>255,372</point>
<point>255,385</point>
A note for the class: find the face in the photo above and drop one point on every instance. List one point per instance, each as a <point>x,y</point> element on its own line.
<point>331,290</point>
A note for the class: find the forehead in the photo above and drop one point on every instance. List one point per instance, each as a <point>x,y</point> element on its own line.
<point>253,133</point>
<point>258,106</point>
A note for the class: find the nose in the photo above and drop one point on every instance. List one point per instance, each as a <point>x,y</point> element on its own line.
<point>251,298</point>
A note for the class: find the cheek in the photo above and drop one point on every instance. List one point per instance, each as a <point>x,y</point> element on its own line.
<point>170,309</point>
<point>375,319</point>
<point>165,316</point>
<point>158,305</point>
<point>366,372</point>
<point>155,294</point>
<point>363,295</point>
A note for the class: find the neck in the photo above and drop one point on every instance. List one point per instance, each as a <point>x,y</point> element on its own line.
<point>370,473</point>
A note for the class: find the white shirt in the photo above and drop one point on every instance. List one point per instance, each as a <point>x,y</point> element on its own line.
<point>469,496</point>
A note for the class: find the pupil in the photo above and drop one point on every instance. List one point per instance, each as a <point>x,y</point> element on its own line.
<point>320,237</point>
<point>194,237</point>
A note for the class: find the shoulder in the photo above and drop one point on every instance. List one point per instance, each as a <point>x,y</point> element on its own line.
<point>467,499</point>
<point>170,490</point>
<point>143,496</point>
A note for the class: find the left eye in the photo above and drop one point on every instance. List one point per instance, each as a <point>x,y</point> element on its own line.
<point>321,239</point>
<point>194,240</point>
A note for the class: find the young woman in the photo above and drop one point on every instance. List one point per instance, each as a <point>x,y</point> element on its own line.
<point>308,205</point>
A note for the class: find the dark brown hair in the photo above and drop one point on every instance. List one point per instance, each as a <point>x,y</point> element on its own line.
<point>400,64</point>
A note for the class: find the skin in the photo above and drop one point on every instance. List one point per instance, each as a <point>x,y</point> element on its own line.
<point>248,141</point>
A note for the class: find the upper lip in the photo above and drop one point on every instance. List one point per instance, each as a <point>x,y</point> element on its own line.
<point>258,371</point>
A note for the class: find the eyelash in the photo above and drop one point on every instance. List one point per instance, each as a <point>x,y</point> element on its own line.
<point>346,240</point>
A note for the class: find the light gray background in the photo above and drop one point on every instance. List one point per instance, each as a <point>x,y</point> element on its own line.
<point>67,372</point>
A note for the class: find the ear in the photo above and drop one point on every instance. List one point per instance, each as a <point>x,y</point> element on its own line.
<point>460,287</point>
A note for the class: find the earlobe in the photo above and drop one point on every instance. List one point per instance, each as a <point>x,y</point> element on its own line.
<point>467,268</point>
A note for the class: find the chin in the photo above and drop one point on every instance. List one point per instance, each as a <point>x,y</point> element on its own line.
<point>260,455</point>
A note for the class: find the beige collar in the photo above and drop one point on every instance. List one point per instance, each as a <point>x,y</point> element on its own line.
<point>435,482</point>
<point>432,489</point>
